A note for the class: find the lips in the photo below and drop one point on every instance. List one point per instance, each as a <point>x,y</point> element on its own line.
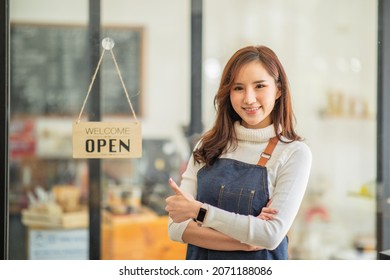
<point>251,109</point>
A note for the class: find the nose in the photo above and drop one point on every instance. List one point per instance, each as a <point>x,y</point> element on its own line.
<point>250,97</point>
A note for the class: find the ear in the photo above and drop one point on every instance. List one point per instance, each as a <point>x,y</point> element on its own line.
<point>278,94</point>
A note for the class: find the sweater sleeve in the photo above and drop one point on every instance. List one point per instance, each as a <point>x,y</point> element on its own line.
<point>290,185</point>
<point>188,184</point>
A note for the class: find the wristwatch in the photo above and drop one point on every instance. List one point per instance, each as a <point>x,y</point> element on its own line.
<point>201,215</point>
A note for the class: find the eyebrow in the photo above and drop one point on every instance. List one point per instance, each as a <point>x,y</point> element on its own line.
<point>255,82</point>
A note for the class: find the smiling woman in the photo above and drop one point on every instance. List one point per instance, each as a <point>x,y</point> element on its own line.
<point>248,173</point>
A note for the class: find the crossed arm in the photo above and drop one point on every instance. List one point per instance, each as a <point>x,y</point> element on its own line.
<point>183,206</point>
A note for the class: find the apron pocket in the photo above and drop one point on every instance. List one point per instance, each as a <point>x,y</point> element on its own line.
<point>237,200</point>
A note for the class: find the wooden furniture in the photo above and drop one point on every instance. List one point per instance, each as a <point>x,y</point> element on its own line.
<point>138,237</point>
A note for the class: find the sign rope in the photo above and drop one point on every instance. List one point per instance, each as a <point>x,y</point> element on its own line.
<point>120,77</point>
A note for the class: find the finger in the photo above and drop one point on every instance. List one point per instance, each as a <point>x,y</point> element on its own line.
<point>262,216</point>
<point>255,248</point>
<point>269,202</point>
<point>266,217</point>
<point>175,187</point>
<point>269,210</point>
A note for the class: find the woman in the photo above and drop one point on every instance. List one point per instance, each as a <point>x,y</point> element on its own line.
<point>248,164</point>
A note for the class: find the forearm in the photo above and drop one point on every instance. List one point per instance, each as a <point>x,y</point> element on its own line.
<point>246,229</point>
<point>288,192</point>
<point>212,239</point>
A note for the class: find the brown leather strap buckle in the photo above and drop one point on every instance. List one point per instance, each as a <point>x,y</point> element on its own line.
<point>266,155</point>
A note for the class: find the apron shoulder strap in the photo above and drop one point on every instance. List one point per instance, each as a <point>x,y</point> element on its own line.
<point>266,155</point>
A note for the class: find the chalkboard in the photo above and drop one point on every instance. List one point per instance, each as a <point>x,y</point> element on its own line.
<point>50,70</point>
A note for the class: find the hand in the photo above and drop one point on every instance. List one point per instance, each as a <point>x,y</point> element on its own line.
<point>251,248</point>
<point>181,206</point>
<point>267,213</point>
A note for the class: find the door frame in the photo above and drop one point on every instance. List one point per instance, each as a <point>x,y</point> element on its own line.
<point>4,122</point>
<point>383,128</point>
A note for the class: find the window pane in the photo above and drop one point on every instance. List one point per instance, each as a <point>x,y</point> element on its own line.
<point>50,76</point>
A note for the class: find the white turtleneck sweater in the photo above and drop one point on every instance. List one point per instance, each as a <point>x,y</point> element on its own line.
<point>288,173</point>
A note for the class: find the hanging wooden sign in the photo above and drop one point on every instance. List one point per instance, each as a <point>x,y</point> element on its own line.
<point>107,140</point>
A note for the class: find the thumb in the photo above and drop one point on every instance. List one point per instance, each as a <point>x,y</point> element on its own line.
<point>175,187</point>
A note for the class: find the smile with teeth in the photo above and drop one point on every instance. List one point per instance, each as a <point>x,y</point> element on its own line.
<point>252,109</point>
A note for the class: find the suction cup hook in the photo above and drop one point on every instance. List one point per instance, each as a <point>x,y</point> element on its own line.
<point>108,43</point>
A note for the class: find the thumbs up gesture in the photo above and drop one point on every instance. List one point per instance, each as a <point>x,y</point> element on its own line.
<point>181,206</point>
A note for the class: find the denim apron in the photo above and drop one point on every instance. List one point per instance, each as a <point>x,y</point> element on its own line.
<point>240,188</point>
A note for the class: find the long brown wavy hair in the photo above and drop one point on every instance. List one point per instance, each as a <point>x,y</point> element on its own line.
<point>222,135</point>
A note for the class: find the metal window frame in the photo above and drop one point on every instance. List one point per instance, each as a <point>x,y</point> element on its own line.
<point>4,121</point>
<point>196,127</point>
<point>383,128</point>
<point>94,165</point>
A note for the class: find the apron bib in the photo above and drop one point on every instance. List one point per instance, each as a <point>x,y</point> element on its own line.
<point>241,188</point>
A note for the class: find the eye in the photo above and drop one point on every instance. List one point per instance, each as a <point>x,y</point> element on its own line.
<point>237,88</point>
<point>260,86</point>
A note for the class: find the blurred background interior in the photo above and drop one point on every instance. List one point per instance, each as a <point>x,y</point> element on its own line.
<point>329,50</point>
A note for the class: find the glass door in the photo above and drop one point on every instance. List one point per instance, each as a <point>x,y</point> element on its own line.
<point>48,193</point>
<point>66,208</point>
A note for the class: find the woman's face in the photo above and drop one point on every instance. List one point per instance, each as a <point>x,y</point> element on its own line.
<point>253,95</point>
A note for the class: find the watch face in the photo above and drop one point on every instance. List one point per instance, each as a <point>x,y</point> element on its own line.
<point>201,214</point>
